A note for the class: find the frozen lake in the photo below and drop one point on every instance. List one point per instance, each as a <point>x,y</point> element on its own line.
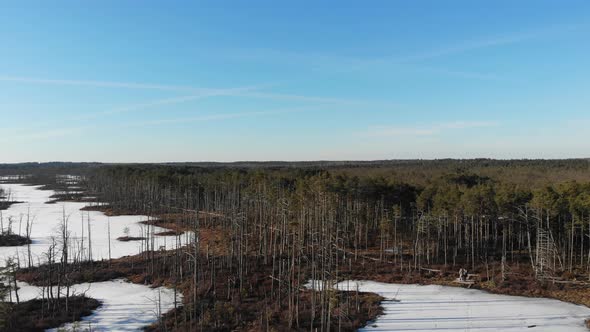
<point>47,218</point>
<point>126,306</point>
<point>441,308</point>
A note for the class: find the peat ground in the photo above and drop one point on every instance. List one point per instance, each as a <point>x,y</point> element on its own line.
<point>34,316</point>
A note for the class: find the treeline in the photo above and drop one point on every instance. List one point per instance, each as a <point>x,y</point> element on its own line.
<point>413,170</point>
<point>469,214</point>
<point>296,224</point>
<point>279,231</point>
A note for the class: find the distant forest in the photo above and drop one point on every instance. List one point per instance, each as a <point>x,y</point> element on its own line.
<point>418,172</point>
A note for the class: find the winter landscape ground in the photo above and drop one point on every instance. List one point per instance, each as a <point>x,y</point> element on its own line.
<point>166,247</point>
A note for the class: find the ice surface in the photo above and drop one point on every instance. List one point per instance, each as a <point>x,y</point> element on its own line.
<point>440,308</point>
<point>13,177</point>
<point>125,306</point>
<point>48,217</point>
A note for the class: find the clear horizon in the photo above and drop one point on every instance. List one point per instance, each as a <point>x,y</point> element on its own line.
<point>307,81</point>
<point>290,161</point>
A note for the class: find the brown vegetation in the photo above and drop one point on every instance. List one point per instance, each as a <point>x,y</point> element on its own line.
<point>111,211</point>
<point>130,238</point>
<point>221,308</point>
<point>34,316</point>
<point>11,240</point>
<point>4,205</point>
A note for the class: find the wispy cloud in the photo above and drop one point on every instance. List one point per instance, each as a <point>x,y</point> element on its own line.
<point>212,117</point>
<point>489,42</point>
<point>103,84</point>
<point>467,124</point>
<point>40,131</point>
<point>341,63</point>
<point>197,93</point>
<point>141,106</point>
<point>42,134</point>
<point>316,99</point>
<point>458,73</point>
<point>164,102</point>
<point>428,130</point>
<point>410,61</point>
<point>463,47</point>
<point>46,134</point>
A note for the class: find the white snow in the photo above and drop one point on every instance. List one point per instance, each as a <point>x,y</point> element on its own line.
<point>440,308</point>
<point>46,224</point>
<point>13,177</point>
<point>125,306</point>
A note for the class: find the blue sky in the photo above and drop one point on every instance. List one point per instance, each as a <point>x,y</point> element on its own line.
<point>154,81</point>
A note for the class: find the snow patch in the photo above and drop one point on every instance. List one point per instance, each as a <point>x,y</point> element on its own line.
<point>442,308</point>
<point>125,306</point>
<point>46,223</point>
